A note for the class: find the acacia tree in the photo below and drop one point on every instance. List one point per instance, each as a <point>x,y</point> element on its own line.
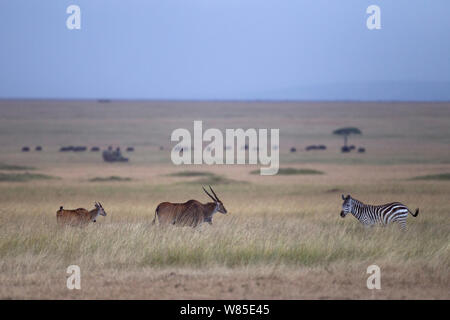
<point>346,132</point>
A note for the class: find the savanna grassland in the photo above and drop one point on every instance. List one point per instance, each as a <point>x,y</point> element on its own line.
<point>283,237</point>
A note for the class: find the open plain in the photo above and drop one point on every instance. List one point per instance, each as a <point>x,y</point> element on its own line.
<point>283,237</point>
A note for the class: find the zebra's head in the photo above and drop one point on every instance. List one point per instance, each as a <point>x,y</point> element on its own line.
<point>346,206</point>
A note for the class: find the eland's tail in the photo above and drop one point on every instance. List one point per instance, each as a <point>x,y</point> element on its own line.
<point>154,219</point>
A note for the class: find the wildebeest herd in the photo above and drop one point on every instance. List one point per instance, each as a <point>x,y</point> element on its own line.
<point>108,155</point>
<point>74,149</point>
<point>193,213</point>
<point>321,147</point>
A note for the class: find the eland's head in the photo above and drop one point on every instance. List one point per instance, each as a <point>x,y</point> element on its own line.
<point>100,210</point>
<point>219,205</point>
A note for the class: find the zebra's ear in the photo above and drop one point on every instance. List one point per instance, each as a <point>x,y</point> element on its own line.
<point>343,198</point>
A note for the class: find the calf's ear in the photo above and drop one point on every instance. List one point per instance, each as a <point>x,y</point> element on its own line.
<point>343,198</point>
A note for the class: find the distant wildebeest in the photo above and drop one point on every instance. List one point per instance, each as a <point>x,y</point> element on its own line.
<point>293,149</point>
<point>191,213</point>
<point>161,148</point>
<point>80,216</point>
<point>361,150</point>
<point>38,148</point>
<point>25,149</point>
<point>130,149</point>
<point>315,147</point>
<point>95,149</point>
<point>345,149</point>
<point>311,147</point>
<point>352,147</point>
<point>65,149</point>
<point>370,215</point>
<point>79,149</point>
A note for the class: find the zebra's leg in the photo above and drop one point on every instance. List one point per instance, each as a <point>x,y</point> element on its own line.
<point>401,221</point>
<point>402,224</point>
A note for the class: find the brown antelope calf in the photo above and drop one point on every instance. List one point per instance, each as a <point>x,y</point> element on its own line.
<point>191,213</point>
<point>80,216</point>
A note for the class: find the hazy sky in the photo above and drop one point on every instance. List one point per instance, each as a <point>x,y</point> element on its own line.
<point>225,49</point>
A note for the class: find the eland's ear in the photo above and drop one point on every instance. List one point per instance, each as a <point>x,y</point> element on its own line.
<point>343,198</point>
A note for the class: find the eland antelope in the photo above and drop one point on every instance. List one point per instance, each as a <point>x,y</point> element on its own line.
<point>191,213</point>
<point>79,216</point>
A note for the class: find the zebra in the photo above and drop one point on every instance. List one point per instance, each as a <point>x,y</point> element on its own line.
<point>369,215</point>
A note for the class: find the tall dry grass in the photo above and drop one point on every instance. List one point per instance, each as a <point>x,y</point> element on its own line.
<point>282,238</point>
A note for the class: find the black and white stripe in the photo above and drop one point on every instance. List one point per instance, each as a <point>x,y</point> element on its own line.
<point>370,215</point>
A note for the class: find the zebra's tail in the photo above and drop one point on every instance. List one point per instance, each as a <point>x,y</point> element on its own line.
<point>414,214</point>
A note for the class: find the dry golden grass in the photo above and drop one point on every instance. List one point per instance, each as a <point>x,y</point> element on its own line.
<point>282,238</point>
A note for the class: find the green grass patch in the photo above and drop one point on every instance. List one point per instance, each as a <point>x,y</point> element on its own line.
<point>4,166</point>
<point>292,171</point>
<point>191,174</point>
<point>441,176</point>
<point>111,178</point>
<point>23,177</point>
<point>214,180</point>
<point>207,178</point>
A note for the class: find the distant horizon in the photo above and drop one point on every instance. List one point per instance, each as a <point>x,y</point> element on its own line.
<point>213,100</point>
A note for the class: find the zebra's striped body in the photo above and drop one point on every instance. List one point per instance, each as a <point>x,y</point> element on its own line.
<point>370,215</point>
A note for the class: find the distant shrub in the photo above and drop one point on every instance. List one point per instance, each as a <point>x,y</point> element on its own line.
<point>4,166</point>
<point>441,176</point>
<point>111,178</point>
<point>215,180</point>
<point>23,177</point>
<point>191,174</point>
<point>292,171</point>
